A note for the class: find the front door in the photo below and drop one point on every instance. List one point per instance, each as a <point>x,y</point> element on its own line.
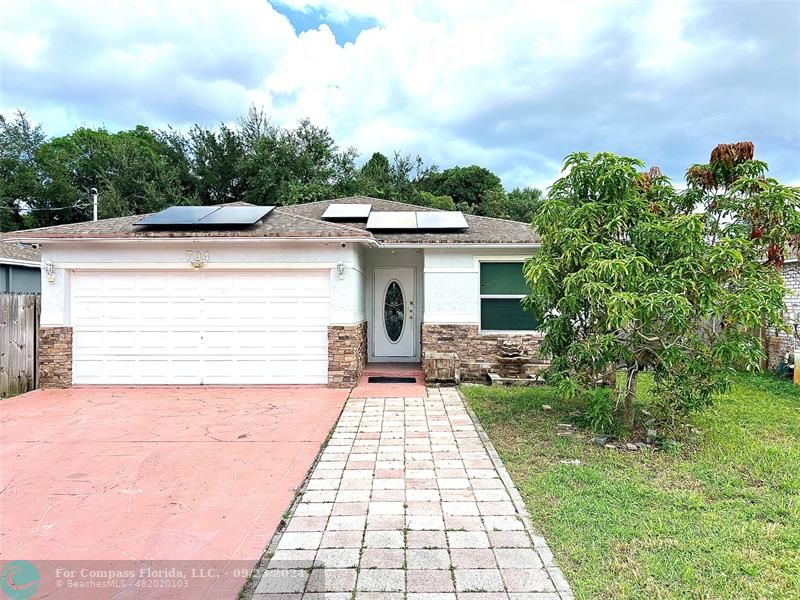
<point>394,315</point>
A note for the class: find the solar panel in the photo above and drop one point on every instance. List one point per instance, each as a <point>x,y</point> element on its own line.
<point>178,215</point>
<point>441,220</point>
<point>207,215</point>
<point>236,215</point>
<point>353,212</point>
<point>392,220</point>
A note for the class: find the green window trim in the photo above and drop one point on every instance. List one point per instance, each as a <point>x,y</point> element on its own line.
<point>502,289</point>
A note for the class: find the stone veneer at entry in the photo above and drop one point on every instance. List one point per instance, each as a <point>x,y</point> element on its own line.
<point>478,352</point>
<point>55,357</point>
<point>347,353</point>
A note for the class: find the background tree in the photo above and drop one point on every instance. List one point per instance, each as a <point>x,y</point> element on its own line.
<point>467,186</point>
<point>217,161</point>
<point>517,205</point>
<point>47,181</point>
<point>632,276</point>
<point>292,166</point>
<point>19,176</point>
<point>424,198</point>
<point>376,177</point>
<point>133,170</point>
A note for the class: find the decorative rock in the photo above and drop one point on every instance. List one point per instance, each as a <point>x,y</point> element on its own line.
<point>642,446</point>
<point>512,358</point>
<point>495,379</point>
<point>546,407</point>
<point>631,447</point>
<point>600,440</point>
<point>610,446</point>
<point>652,435</point>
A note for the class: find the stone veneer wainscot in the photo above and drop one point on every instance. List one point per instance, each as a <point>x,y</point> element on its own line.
<point>55,357</point>
<point>477,351</point>
<point>347,353</point>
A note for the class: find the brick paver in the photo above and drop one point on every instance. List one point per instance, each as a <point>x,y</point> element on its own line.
<point>409,500</point>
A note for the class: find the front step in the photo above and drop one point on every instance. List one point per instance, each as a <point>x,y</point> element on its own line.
<point>390,380</point>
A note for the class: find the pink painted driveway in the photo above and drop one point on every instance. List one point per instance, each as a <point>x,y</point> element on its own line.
<point>158,473</point>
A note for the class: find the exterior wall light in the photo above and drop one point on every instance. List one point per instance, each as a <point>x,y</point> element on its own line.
<point>51,272</point>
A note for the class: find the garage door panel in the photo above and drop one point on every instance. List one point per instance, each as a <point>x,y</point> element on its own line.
<point>309,371</point>
<point>87,369</point>
<point>86,314</point>
<point>155,340</point>
<point>221,370</point>
<point>123,369</point>
<point>87,342</point>
<point>120,285</point>
<point>284,311</point>
<point>243,311</point>
<point>200,327</point>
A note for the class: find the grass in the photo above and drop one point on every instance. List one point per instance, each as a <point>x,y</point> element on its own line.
<point>718,518</point>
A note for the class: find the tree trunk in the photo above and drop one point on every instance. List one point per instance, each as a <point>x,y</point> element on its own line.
<point>630,396</point>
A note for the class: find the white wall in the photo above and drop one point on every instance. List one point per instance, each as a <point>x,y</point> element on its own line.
<point>447,278</point>
<point>347,294</point>
<point>452,282</point>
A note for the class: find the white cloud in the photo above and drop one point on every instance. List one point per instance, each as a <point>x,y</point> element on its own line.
<point>513,86</point>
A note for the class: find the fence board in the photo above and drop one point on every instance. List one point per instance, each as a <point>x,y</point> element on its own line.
<point>19,321</point>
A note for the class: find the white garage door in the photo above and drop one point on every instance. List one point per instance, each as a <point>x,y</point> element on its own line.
<point>210,327</point>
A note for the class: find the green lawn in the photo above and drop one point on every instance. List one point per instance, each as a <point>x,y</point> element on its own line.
<point>718,518</point>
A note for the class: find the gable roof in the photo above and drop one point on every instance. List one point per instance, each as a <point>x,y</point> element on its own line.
<point>301,221</point>
<point>12,253</point>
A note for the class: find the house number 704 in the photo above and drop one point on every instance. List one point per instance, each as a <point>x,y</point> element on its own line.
<point>196,256</point>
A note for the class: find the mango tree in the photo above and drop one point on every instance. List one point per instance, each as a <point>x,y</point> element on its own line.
<point>633,275</point>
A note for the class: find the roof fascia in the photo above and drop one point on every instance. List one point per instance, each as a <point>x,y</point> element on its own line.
<point>190,239</point>
<point>20,263</point>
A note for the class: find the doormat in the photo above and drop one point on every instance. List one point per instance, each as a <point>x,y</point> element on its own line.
<point>379,379</point>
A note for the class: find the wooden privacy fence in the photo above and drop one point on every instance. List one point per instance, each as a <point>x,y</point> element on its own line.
<point>19,323</point>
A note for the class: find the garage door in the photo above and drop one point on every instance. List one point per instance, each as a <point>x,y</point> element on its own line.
<point>210,327</point>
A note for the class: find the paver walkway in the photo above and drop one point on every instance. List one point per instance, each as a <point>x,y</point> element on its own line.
<point>410,501</point>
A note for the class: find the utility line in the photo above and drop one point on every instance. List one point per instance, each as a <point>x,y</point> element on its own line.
<point>23,210</point>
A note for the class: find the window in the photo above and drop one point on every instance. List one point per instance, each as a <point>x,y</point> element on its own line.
<point>502,289</point>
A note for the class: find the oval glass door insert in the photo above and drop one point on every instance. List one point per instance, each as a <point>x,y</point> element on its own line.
<point>394,313</point>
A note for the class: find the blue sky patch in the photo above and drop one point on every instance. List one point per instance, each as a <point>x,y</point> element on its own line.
<point>312,18</point>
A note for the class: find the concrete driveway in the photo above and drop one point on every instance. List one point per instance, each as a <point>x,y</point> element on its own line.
<point>155,474</point>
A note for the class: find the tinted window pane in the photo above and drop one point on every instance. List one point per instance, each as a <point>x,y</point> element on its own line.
<point>506,315</point>
<point>502,278</point>
<point>394,311</point>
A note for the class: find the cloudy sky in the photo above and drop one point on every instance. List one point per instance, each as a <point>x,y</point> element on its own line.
<point>513,86</point>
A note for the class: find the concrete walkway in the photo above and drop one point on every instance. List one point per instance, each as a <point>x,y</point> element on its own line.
<point>410,501</point>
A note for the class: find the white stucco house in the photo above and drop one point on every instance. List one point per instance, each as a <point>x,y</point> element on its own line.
<point>301,294</point>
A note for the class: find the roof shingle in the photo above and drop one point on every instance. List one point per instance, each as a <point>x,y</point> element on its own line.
<point>302,221</point>
<point>13,252</point>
